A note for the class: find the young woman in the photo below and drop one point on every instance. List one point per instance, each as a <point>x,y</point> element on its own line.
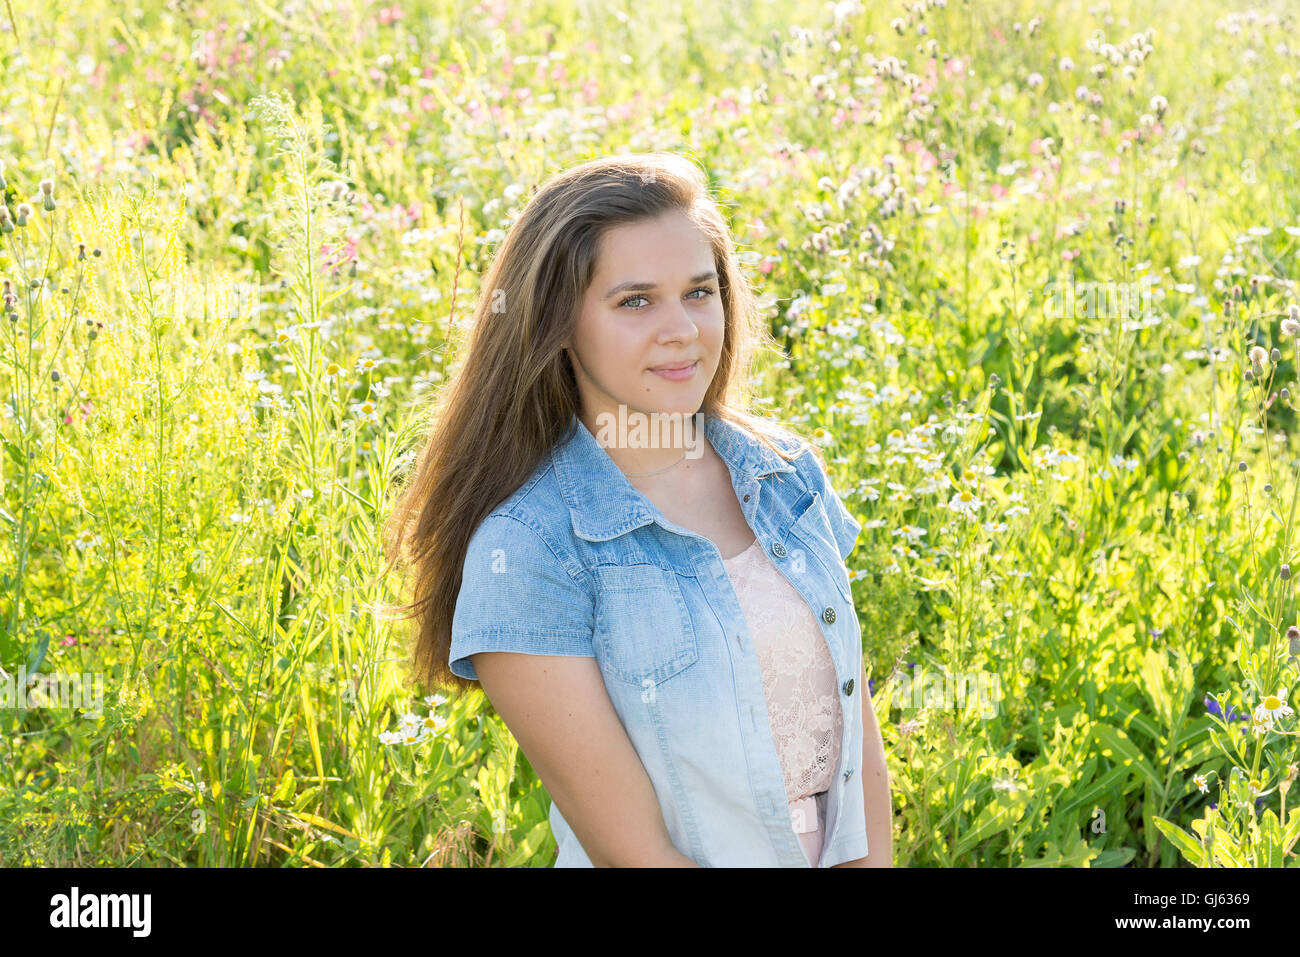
<point>661,616</point>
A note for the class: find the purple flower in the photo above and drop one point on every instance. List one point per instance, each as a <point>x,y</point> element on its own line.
<point>871,687</point>
<point>1212,707</point>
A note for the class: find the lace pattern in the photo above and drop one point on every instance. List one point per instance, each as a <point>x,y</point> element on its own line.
<point>798,682</point>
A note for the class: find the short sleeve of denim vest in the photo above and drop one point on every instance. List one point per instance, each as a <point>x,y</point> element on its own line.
<point>516,595</point>
<point>847,528</point>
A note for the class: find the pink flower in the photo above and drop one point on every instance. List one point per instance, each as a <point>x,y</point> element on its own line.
<point>1068,254</point>
<point>998,190</point>
<point>68,641</point>
<point>427,102</point>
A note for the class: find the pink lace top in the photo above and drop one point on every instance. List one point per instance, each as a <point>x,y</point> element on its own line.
<point>798,682</point>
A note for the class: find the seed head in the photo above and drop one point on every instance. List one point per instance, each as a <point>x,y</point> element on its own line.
<point>22,212</point>
<point>1290,327</point>
<point>1286,572</point>
<point>1274,355</point>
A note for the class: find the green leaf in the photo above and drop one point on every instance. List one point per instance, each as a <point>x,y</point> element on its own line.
<point>285,789</point>
<point>1189,847</point>
<point>1152,672</point>
<point>37,657</point>
<point>1227,852</point>
<point>1116,744</point>
<point>1271,836</point>
<point>1000,814</point>
<point>1102,787</point>
<point>527,847</point>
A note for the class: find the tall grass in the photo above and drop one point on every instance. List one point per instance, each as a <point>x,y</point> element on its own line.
<point>219,345</point>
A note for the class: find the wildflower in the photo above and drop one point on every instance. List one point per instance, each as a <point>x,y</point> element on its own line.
<point>6,219</point>
<point>1273,706</point>
<point>86,539</point>
<point>1212,707</point>
<point>1260,726</point>
<point>434,700</point>
<point>22,212</point>
<point>1200,781</point>
<point>1257,358</point>
<point>1285,571</point>
<point>909,728</point>
<point>367,410</point>
<point>1293,637</point>
<point>1290,327</point>
<point>332,371</point>
<point>964,503</point>
<point>47,195</point>
<point>367,364</point>
<point>285,336</point>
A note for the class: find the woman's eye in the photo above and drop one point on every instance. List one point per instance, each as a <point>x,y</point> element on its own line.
<point>708,292</point>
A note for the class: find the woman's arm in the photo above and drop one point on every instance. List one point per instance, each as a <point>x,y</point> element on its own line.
<point>875,789</point>
<point>557,708</point>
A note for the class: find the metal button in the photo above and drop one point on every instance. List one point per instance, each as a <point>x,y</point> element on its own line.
<point>778,550</point>
<point>746,498</point>
<point>848,774</point>
<point>848,687</point>
<point>828,615</point>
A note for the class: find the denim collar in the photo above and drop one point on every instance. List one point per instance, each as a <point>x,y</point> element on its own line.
<point>602,503</point>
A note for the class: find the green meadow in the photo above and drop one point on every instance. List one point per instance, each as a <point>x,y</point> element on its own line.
<point>1032,273</point>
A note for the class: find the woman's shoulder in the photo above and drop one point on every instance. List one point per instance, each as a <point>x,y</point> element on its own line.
<point>537,505</point>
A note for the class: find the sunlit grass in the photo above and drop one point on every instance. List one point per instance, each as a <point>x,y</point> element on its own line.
<point>219,342</point>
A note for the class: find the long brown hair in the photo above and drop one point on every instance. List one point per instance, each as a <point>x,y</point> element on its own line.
<point>515,394</point>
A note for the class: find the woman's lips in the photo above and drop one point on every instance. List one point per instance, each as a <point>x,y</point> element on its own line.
<point>678,375</point>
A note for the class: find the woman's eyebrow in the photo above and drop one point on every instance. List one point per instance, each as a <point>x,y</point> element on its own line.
<point>636,286</point>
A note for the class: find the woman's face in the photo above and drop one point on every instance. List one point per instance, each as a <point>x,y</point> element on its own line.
<point>653,302</point>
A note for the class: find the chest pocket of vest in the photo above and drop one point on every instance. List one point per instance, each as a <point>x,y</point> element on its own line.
<point>813,528</point>
<point>643,632</point>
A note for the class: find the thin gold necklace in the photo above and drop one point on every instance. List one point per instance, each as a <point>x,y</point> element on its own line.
<point>656,471</point>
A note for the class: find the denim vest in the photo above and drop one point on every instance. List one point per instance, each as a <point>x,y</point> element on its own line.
<point>578,562</point>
